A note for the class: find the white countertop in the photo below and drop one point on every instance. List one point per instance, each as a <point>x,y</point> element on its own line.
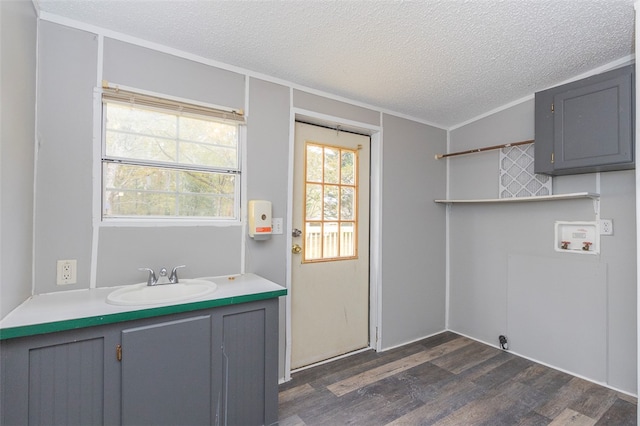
<point>71,309</point>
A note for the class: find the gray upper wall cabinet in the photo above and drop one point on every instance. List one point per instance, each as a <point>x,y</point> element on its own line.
<point>587,125</point>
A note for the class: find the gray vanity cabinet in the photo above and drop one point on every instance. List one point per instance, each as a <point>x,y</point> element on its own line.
<point>587,125</point>
<point>216,366</point>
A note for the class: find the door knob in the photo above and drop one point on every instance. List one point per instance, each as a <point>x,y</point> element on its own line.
<point>296,249</point>
<point>296,232</point>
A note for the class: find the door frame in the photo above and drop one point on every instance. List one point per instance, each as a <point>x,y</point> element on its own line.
<point>375,220</point>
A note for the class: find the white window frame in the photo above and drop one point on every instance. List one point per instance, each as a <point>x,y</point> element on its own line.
<point>142,221</point>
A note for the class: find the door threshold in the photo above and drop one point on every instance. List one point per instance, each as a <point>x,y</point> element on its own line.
<point>335,358</point>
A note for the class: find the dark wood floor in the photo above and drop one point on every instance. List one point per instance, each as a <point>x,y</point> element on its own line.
<point>447,380</point>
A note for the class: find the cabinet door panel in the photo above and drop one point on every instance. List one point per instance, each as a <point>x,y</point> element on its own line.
<point>166,373</point>
<point>66,383</point>
<point>244,366</point>
<point>590,127</point>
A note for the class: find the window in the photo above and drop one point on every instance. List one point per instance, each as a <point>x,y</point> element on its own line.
<point>169,160</point>
<point>330,203</point>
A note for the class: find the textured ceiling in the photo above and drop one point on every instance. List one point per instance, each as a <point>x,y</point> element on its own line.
<point>442,61</point>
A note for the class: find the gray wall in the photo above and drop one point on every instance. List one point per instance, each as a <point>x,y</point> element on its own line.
<point>335,108</point>
<point>413,232</point>
<point>64,190</point>
<point>575,312</point>
<point>267,171</point>
<point>207,251</point>
<point>17,133</point>
<point>67,61</point>
<point>134,66</point>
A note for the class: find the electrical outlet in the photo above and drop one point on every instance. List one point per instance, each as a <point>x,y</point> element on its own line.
<point>276,225</point>
<point>606,226</point>
<point>67,272</point>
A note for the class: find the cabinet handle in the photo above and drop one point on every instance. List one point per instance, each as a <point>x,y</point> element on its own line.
<point>553,158</point>
<point>119,352</point>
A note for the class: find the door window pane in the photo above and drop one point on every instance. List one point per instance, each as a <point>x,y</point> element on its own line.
<point>331,202</point>
<point>331,165</point>
<point>314,204</point>
<point>313,241</point>
<point>330,243</point>
<point>347,239</point>
<point>348,168</point>
<point>314,163</point>
<point>347,203</point>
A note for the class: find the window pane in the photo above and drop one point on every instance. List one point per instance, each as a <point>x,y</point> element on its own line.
<point>347,239</point>
<point>314,163</point>
<point>137,178</point>
<point>313,241</point>
<point>205,205</point>
<point>138,203</point>
<point>131,190</point>
<point>331,202</point>
<point>348,168</point>
<point>216,143</point>
<point>314,202</point>
<point>155,136</point>
<point>347,203</point>
<point>207,131</point>
<point>331,165</point>
<point>206,183</point>
<point>208,155</point>
<point>130,119</point>
<point>330,244</point>
<point>139,147</point>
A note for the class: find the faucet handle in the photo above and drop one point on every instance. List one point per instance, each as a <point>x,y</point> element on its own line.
<point>173,278</point>
<point>151,280</point>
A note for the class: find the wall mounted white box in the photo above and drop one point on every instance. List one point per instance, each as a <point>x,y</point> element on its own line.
<point>260,222</point>
<point>577,237</point>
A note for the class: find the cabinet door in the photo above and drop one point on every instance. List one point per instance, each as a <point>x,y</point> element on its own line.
<point>166,373</point>
<point>56,379</point>
<point>66,383</point>
<point>587,125</point>
<point>247,364</point>
<point>593,124</point>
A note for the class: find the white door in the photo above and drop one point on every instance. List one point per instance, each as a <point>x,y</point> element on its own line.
<point>330,260</point>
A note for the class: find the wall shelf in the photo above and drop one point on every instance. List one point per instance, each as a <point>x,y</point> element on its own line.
<point>571,196</point>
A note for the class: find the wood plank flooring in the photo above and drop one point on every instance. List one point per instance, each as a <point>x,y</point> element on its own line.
<point>447,380</point>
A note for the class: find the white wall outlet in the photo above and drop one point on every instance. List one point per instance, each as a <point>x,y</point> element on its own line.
<point>67,272</point>
<point>276,225</point>
<point>606,226</point>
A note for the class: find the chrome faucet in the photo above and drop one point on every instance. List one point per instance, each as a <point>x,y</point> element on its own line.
<point>153,280</point>
<point>173,278</point>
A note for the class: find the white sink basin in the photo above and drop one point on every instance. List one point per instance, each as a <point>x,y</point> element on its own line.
<point>142,294</point>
